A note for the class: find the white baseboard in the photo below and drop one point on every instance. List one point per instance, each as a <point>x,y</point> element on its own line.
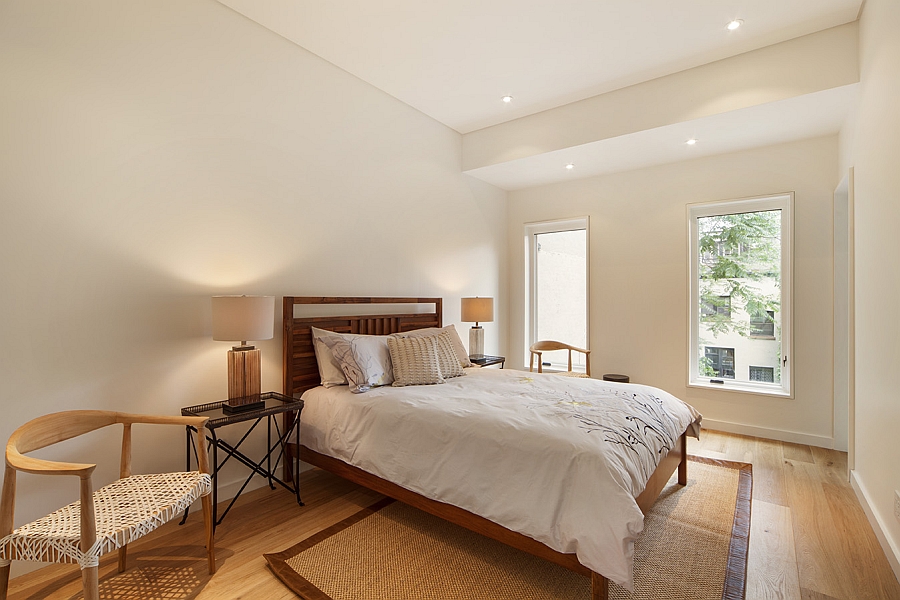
<point>887,544</point>
<point>772,434</point>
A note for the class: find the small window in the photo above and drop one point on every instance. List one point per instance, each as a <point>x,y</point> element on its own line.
<point>719,362</point>
<point>715,305</point>
<point>762,325</point>
<point>766,374</point>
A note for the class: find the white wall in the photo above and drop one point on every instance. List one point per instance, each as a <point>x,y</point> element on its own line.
<point>639,291</point>
<point>156,153</point>
<point>870,143</point>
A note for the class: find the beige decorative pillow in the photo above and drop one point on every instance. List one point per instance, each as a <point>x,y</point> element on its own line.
<point>447,360</point>
<point>458,347</point>
<point>415,360</point>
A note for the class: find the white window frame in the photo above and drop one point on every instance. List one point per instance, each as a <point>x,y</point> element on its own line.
<point>531,231</point>
<point>785,203</point>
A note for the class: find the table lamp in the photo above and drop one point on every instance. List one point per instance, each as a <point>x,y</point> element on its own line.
<point>238,319</point>
<point>477,310</point>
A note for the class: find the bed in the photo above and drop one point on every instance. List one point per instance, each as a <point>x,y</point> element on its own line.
<point>421,445</point>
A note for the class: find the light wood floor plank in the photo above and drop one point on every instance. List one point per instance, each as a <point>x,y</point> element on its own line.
<point>772,564</point>
<point>797,452</point>
<point>816,539</point>
<point>812,595</point>
<point>768,473</point>
<point>832,462</point>
<point>710,445</point>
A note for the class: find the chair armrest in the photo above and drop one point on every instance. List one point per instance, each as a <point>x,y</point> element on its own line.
<point>39,466</point>
<point>128,419</point>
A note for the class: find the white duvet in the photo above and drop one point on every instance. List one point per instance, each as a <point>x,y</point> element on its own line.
<point>558,459</point>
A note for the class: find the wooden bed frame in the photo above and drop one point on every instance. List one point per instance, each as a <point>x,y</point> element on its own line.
<point>301,372</point>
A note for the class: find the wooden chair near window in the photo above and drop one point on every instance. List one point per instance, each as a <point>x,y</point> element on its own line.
<point>103,520</point>
<point>542,346</point>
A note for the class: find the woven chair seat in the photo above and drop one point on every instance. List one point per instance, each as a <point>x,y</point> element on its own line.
<point>572,374</point>
<point>125,510</point>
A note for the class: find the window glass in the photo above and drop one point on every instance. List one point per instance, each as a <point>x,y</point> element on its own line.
<point>739,294</point>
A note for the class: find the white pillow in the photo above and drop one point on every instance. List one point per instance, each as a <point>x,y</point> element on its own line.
<point>415,360</point>
<point>329,369</point>
<point>461,354</point>
<point>365,361</point>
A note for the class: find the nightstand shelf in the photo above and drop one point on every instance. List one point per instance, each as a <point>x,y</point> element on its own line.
<point>484,360</point>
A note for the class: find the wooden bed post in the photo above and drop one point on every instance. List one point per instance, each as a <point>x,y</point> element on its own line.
<point>682,466</point>
<point>287,374</point>
<point>599,587</point>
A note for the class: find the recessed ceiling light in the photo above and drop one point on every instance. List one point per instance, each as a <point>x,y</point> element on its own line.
<point>507,99</point>
<point>691,141</point>
<point>570,166</point>
<point>732,25</point>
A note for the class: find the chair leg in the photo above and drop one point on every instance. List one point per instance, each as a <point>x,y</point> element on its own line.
<point>210,533</point>
<point>123,555</point>
<point>90,583</point>
<point>4,582</point>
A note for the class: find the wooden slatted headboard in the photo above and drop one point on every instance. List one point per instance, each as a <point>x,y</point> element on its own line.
<point>301,371</point>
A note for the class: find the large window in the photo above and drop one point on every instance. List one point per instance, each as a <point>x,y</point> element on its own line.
<point>557,295</point>
<point>740,304</point>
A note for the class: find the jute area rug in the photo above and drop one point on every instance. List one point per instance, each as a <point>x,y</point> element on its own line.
<point>694,547</point>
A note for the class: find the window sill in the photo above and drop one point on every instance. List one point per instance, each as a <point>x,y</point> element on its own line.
<point>742,388</point>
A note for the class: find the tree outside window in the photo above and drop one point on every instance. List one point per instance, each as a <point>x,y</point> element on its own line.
<point>738,255</point>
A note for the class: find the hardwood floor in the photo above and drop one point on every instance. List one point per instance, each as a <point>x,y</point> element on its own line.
<point>809,538</point>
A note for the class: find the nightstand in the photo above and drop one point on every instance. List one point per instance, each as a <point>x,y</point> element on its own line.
<point>272,405</point>
<point>483,360</point>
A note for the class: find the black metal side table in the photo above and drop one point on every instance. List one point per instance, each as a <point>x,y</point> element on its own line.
<point>275,404</point>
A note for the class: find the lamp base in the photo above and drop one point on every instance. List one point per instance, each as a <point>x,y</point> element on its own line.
<point>243,374</point>
<point>476,341</point>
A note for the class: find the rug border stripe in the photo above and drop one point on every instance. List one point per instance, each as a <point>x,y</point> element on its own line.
<point>736,566</point>
<point>294,581</point>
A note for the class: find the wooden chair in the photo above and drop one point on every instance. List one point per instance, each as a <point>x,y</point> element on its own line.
<point>103,520</point>
<point>547,345</point>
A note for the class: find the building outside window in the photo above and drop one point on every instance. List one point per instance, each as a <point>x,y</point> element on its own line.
<point>712,306</point>
<point>719,362</point>
<point>557,295</point>
<point>762,324</point>
<point>766,374</point>
<point>740,286</point>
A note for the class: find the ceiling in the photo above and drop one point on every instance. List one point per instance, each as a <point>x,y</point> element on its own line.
<point>797,118</point>
<point>454,60</point>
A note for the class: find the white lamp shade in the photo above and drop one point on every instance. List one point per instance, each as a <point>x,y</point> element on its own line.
<point>243,318</point>
<point>477,310</point>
